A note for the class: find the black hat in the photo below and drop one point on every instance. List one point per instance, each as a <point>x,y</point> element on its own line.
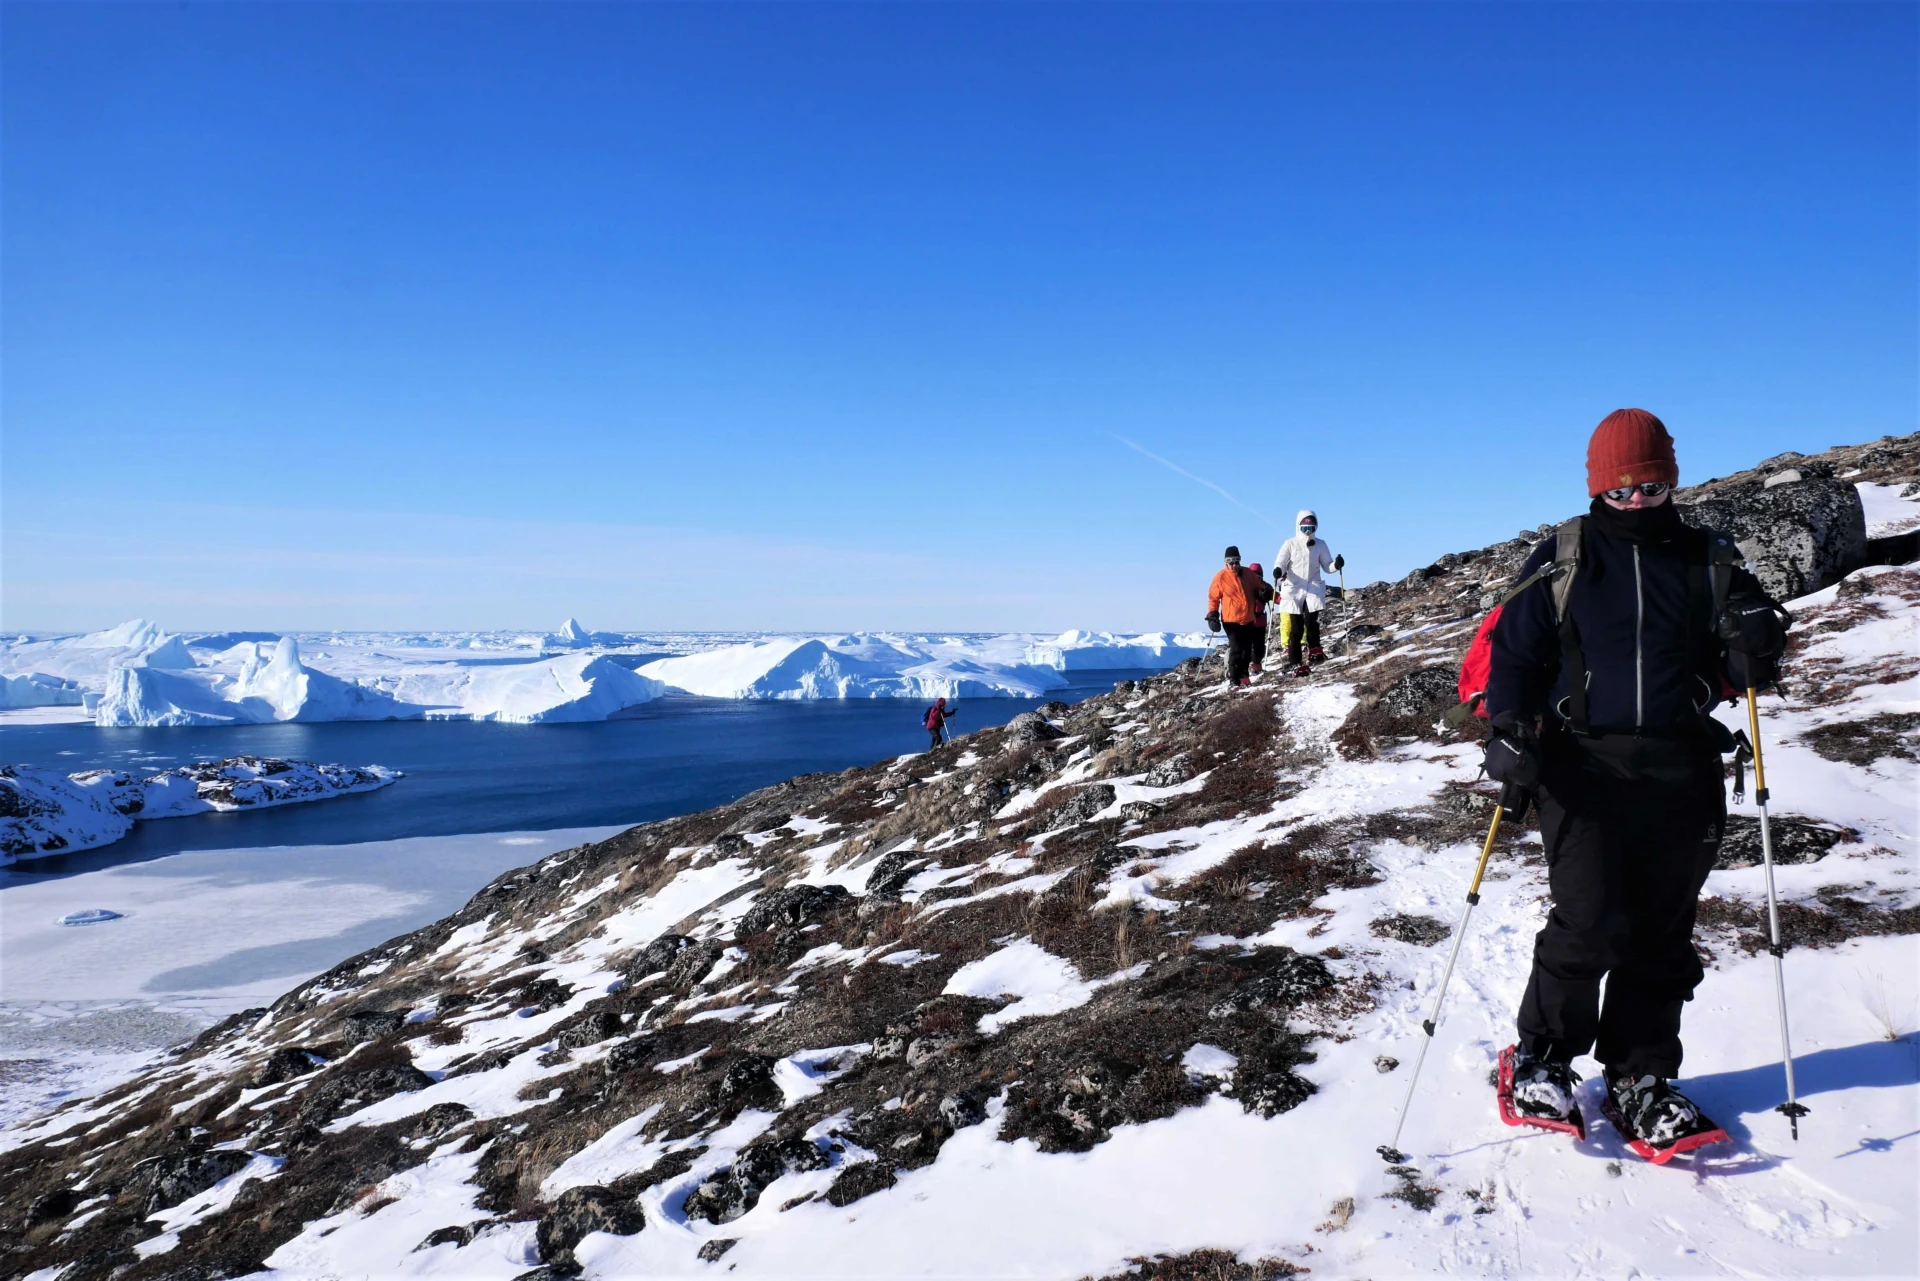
<point>1233,553</point>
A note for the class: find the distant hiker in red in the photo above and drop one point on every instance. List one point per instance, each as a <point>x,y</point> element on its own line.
<point>1604,666</point>
<point>1259,655</point>
<point>936,721</point>
<point>1302,592</point>
<point>1233,602</point>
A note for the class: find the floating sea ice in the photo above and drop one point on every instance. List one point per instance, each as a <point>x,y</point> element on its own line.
<point>92,916</point>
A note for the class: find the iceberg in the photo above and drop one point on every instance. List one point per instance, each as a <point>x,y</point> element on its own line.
<point>263,689</point>
<point>1079,651</point>
<point>37,689</point>
<point>87,660</point>
<point>573,687</point>
<point>570,636</point>
<point>857,666</point>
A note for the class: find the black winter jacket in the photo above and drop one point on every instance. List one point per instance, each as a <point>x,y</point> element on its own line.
<point>1641,601</point>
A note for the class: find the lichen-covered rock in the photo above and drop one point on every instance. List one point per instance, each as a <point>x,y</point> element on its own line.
<point>172,1177</point>
<point>1031,727</point>
<point>1086,803</point>
<point>1295,978</point>
<point>1172,772</point>
<point>1795,840</point>
<point>581,1210</point>
<point>658,955</point>
<point>1421,931</point>
<point>861,1179</point>
<point>792,906</point>
<point>1797,537</point>
<point>1272,1093</point>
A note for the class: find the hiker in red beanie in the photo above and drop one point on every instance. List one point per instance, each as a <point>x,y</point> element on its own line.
<point>1602,675</point>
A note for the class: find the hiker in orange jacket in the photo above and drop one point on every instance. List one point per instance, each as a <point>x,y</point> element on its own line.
<point>1233,602</point>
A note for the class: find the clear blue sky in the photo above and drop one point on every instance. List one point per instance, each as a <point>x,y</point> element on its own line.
<point>791,316</point>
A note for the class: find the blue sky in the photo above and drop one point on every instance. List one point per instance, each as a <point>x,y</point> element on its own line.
<point>791,316</point>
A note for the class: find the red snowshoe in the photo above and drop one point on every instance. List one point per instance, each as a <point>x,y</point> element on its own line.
<point>1303,670</point>
<point>1664,1121</point>
<point>1316,655</point>
<point>1546,1101</point>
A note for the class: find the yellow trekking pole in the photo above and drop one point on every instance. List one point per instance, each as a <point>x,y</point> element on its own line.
<point>1792,1108</point>
<point>1511,799</point>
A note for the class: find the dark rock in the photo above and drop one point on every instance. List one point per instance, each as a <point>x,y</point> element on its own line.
<point>863,1178</point>
<point>590,1028</point>
<point>1797,537</point>
<point>891,873</point>
<point>1087,802</point>
<point>692,965</point>
<point>1421,931</point>
<point>578,1211</point>
<point>1031,727</point>
<point>545,994</point>
<point>1385,1063</point>
<point>335,1092</point>
<point>725,1197</point>
<point>1273,1093</point>
<point>1171,772</point>
<point>458,1235</point>
<point>369,1025</point>
<point>765,819</point>
<point>549,1272</point>
<point>658,955</point>
<point>890,1047</point>
<point>172,1177</point>
<point>1423,694</point>
<point>1139,811</point>
<point>710,1251</point>
<point>55,1205</point>
<point>1296,978</point>
<point>748,1082</point>
<point>795,905</point>
<point>1795,840</point>
<point>732,845</point>
<point>284,1064</point>
<point>962,1110</point>
<point>438,1119</point>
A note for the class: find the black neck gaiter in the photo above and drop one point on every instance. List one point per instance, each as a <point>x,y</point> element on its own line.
<point>1647,525</point>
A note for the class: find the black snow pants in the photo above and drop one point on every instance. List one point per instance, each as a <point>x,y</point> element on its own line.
<point>1258,653</point>
<point>1239,649</point>
<point>1303,626</point>
<point>1632,826</point>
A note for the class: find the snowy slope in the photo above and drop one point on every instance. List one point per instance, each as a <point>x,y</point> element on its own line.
<point>1034,1006</point>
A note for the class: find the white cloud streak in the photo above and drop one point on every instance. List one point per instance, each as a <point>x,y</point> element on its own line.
<point>1198,480</point>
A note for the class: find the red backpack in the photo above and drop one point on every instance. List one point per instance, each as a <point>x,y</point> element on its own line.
<point>1477,666</point>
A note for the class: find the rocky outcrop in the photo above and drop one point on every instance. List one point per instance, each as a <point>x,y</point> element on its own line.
<point>1799,527</point>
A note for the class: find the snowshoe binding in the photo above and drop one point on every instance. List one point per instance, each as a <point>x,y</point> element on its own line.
<point>1657,1121</point>
<point>1303,670</point>
<point>1538,1093</point>
<point>1316,655</point>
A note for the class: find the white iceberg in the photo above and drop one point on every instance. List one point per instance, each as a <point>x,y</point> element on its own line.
<point>244,687</point>
<point>571,636</point>
<point>1079,651</point>
<point>858,666</point>
<point>87,660</point>
<point>572,687</point>
<point>37,689</point>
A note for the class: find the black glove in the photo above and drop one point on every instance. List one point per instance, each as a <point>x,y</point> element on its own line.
<point>1213,621</point>
<point>1754,630</point>
<point>1339,563</point>
<point>1513,753</point>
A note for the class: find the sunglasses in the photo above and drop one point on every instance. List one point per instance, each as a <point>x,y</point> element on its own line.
<point>1652,489</point>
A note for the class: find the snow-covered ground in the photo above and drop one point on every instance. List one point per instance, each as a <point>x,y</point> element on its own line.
<point>202,934</point>
<point>1306,1186</point>
<point>1890,509</point>
<point>139,674</point>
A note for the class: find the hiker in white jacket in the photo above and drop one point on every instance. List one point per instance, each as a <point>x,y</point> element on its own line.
<point>1300,592</point>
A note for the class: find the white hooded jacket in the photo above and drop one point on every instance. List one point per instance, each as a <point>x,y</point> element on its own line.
<point>1297,585</point>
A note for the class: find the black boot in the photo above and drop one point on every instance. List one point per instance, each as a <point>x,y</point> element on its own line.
<point>1655,1119</point>
<point>1538,1092</point>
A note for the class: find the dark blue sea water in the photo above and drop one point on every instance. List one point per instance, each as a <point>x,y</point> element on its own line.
<point>671,756</point>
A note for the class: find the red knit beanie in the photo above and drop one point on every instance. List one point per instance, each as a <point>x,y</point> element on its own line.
<point>1629,447</point>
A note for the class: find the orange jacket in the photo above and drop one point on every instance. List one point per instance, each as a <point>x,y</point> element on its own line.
<point>1229,593</point>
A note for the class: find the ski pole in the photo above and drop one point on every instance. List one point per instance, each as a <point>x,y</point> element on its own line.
<point>1793,1109</point>
<point>1511,798</point>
